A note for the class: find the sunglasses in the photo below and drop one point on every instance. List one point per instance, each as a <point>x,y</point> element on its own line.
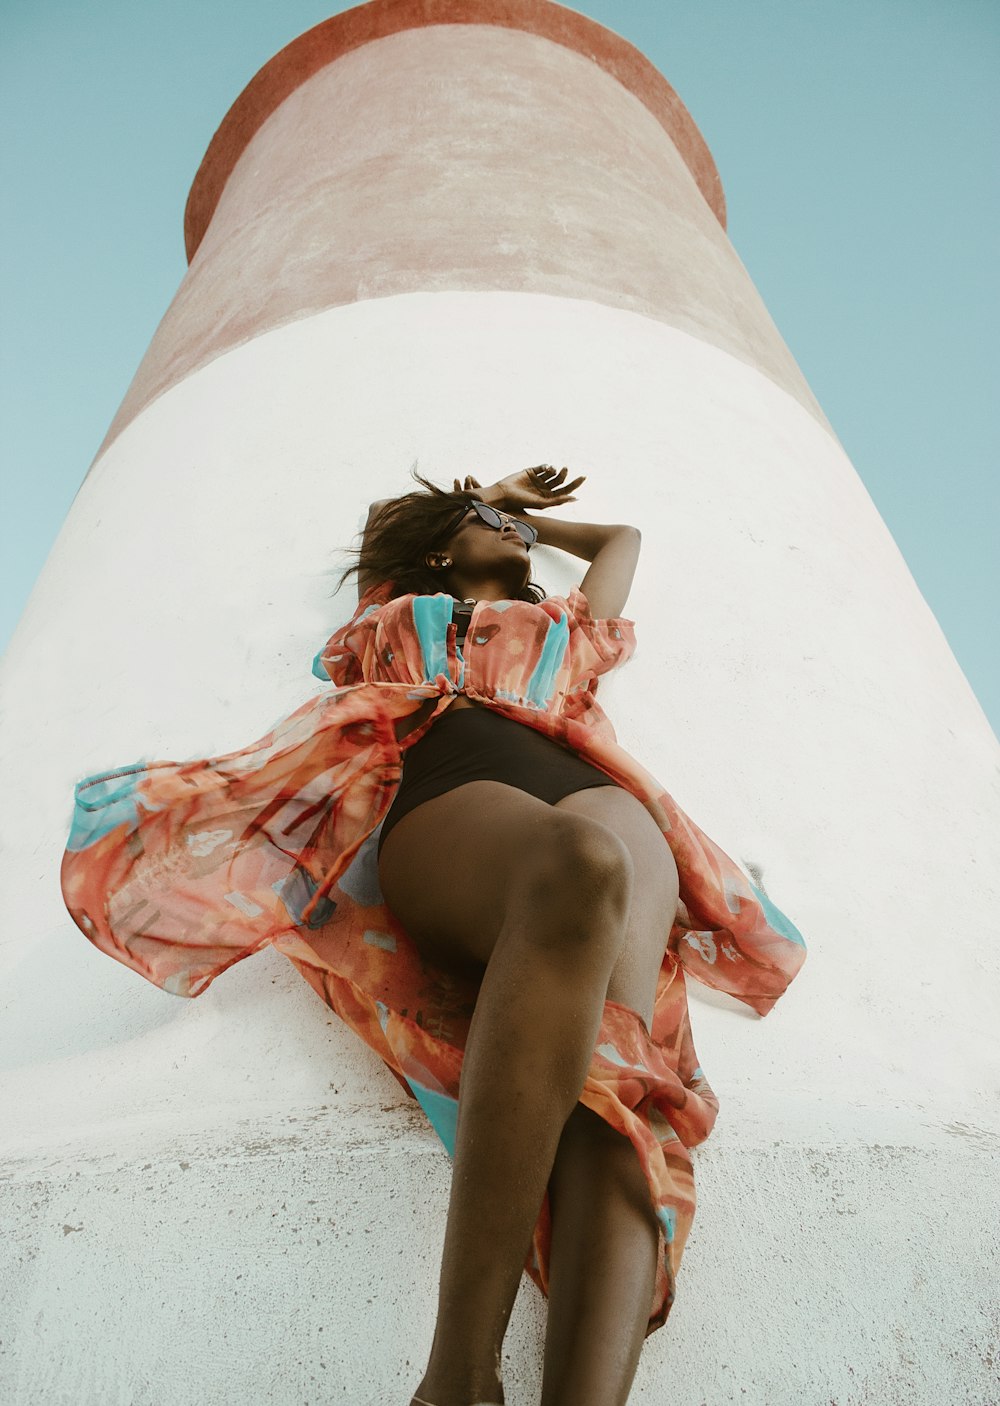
<point>527,533</point>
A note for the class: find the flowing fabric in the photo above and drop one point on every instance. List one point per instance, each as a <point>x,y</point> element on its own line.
<point>181,869</point>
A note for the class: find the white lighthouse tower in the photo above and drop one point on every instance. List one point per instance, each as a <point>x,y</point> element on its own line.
<point>480,234</point>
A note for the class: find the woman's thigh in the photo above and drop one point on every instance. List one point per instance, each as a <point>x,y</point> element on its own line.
<point>449,869</point>
<point>654,891</point>
<point>455,867</point>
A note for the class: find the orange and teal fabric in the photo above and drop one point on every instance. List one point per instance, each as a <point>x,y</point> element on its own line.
<point>181,869</point>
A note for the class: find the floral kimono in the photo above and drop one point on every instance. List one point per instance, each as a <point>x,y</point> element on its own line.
<point>181,869</point>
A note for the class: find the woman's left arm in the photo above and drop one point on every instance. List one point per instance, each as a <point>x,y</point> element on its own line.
<point>613,553</point>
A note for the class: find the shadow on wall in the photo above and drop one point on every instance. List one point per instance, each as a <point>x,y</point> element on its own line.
<point>82,1003</point>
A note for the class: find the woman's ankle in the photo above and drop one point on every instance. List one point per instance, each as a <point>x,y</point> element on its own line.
<point>422,1401</point>
<point>445,1384</point>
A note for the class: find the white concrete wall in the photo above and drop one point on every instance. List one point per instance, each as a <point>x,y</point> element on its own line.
<point>231,1198</point>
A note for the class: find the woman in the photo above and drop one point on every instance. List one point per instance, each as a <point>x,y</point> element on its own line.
<point>504,908</point>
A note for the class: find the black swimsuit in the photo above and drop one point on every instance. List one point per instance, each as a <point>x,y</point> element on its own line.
<point>477,744</point>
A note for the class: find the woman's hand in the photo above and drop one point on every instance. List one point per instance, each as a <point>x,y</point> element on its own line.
<point>540,487</point>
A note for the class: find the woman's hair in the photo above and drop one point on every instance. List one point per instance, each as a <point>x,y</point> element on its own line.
<point>404,530</point>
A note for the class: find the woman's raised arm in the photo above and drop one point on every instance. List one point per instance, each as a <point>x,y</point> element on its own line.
<point>613,553</point>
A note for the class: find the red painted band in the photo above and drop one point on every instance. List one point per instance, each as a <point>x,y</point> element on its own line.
<point>328,41</point>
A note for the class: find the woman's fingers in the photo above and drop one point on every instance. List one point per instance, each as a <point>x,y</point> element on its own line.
<point>552,478</point>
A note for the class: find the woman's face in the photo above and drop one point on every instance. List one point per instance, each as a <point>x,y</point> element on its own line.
<point>481,552</point>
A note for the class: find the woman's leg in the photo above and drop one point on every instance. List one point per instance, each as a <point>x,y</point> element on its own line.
<point>602,1266</point>
<point>604,1235</point>
<point>489,874</point>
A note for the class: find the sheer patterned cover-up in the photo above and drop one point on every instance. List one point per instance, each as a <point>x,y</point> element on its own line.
<point>181,869</point>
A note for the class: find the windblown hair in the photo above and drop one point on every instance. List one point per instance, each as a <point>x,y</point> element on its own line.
<point>404,530</point>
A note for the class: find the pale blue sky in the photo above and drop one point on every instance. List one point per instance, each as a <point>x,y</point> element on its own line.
<point>856,140</point>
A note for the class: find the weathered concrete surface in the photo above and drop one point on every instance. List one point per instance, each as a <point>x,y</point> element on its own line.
<point>108,1246</point>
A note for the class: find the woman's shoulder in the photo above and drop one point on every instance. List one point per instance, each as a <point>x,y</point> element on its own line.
<point>386,593</point>
<point>577,606</point>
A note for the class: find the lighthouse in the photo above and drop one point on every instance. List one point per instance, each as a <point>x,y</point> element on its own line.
<point>474,236</point>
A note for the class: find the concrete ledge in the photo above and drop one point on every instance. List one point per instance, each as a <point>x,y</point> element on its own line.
<point>253,1267</point>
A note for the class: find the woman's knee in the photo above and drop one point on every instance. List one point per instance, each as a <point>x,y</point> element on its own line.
<point>579,866</point>
<point>488,863</point>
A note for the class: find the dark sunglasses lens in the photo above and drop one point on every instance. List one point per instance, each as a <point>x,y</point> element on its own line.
<point>527,533</point>
<point>488,514</point>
